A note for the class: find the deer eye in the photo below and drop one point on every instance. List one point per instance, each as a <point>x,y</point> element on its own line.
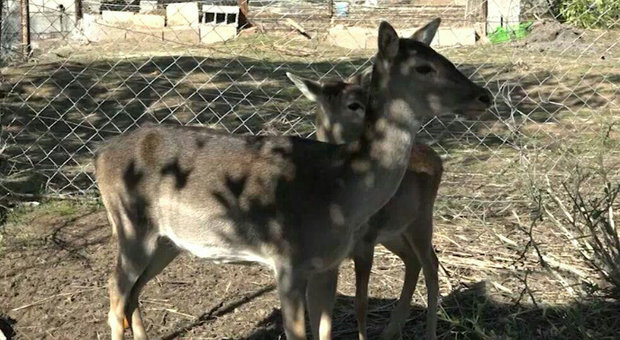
<point>354,106</point>
<point>424,69</point>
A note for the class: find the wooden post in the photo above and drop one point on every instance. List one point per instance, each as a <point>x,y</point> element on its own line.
<point>25,28</point>
<point>484,16</point>
<point>244,11</point>
<point>1,22</point>
<point>330,4</point>
<point>476,14</point>
<point>78,11</point>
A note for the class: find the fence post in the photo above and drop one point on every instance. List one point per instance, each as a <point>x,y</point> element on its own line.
<point>25,28</point>
<point>78,10</point>
<point>1,22</point>
<point>330,4</point>
<point>244,11</point>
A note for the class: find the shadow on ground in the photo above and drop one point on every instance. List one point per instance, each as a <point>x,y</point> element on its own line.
<point>56,113</point>
<point>469,313</point>
<point>55,264</point>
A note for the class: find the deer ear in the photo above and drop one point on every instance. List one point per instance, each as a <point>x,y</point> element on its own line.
<point>427,33</point>
<point>365,77</point>
<point>362,78</point>
<point>388,41</point>
<point>310,88</point>
<point>354,79</point>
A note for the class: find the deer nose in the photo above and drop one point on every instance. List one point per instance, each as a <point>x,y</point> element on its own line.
<point>485,98</point>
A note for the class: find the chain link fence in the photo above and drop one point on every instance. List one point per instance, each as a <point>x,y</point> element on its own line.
<point>75,72</point>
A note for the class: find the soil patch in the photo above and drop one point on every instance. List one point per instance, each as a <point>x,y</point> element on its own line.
<point>54,266</point>
<point>553,35</point>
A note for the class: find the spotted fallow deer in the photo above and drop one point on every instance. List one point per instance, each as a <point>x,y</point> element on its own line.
<point>405,224</point>
<point>294,204</point>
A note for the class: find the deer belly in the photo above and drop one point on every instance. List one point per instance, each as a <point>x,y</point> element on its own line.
<point>390,234</point>
<point>220,254</point>
<point>204,233</point>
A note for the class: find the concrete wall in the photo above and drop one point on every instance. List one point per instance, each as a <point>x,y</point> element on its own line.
<point>148,6</point>
<point>366,38</point>
<point>182,14</point>
<point>11,29</point>
<point>47,19</point>
<point>502,13</point>
<point>128,26</point>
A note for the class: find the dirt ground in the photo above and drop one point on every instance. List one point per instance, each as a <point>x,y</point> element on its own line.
<point>55,260</point>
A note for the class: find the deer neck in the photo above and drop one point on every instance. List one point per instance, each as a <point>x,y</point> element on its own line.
<point>378,160</point>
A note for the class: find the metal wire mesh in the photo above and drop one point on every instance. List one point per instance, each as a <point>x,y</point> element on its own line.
<point>96,69</point>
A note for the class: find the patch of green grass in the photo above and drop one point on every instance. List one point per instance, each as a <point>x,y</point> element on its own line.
<point>26,213</point>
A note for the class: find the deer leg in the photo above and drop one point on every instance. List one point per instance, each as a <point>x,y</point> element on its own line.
<point>291,288</point>
<point>120,284</point>
<point>423,247</point>
<point>401,248</point>
<point>161,257</point>
<point>135,246</point>
<point>362,258</point>
<point>430,267</point>
<point>131,262</point>
<point>320,296</point>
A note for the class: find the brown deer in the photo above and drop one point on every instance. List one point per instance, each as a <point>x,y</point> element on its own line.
<point>404,225</point>
<point>293,204</point>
